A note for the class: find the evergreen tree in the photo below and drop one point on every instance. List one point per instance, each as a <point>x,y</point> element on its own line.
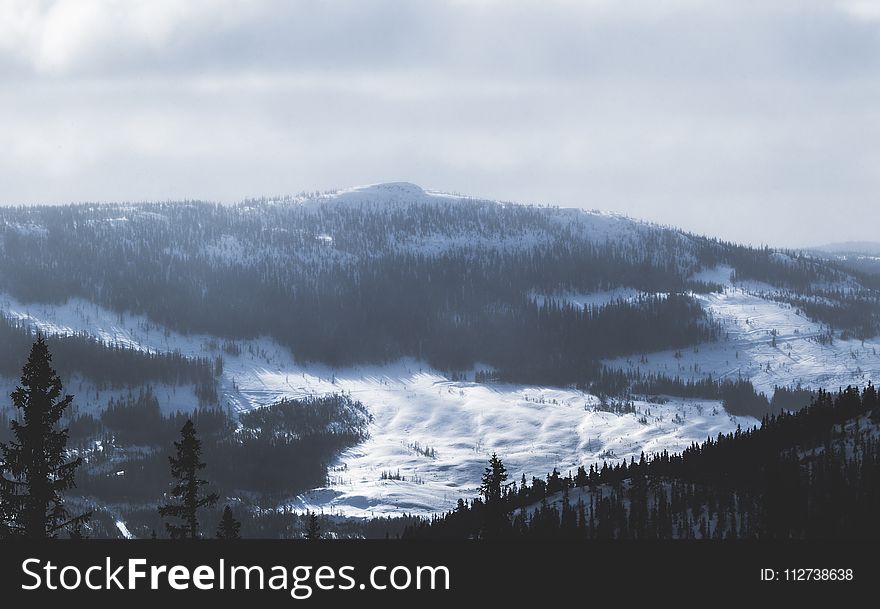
<point>492,485</point>
<point>229,527</point>
<point>34,470</point>
<point>184,469</point>
<point>314,526</point>
<point>496,521</point>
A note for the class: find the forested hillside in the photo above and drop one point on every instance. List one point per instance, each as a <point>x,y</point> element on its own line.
<point>376,274</point>
<point>268,455</point>
<point>106,365</point>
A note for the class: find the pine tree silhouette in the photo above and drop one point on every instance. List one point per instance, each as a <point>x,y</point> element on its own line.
<point>229,527</point>
<point>34,470</point>
<point>496,520</point>
<point>185,468</point>
<point>493,479</point>
<point>314,526</point>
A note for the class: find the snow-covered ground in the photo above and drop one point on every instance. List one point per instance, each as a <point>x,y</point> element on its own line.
<point>749,349</point>
<point>437,434</point>
<point>460,424</point>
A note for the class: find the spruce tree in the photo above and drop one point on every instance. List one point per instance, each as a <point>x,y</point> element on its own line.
<point>34,468</point>
<point>314,526</point>
<point>229,527</point>
<point>492,484</point>
<point>185,469</point>
<point>496,521</point>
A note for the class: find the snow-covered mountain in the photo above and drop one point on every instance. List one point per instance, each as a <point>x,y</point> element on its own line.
<point>390,294</point>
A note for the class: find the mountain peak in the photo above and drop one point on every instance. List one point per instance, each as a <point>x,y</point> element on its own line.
<point>402,188</point>
<point>387,193</point>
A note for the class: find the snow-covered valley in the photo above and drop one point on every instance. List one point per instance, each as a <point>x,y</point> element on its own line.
<point>430,436</point>
<point>434,432</point>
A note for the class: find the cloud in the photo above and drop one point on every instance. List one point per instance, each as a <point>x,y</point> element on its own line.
<point>557,37</point>
<point>752,121</point>
<point>863,9</point>
<point>64,36</point>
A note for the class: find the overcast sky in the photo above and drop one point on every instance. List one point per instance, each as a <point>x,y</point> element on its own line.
<point>756,121</point>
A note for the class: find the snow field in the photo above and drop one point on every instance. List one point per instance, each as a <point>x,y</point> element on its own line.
<point>436,433</point>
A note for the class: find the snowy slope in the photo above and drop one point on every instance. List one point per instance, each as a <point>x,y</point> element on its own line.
<point>458,423</point>
<point>386,194</point>
<point>419,412</point>
<point>749,350</point>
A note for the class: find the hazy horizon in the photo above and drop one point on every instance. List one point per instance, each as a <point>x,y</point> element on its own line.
<point>756,123</point>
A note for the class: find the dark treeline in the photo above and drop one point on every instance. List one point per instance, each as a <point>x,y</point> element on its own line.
<point>275,523</point>
<point>139,420</point>
<point>856,315</point>
<point>410,279</point>
<point>293,419</point>
<point>738,396</point>
<point>810,474</point>
<point>279,450</point>
<point>866,268</point>
<point>791,270</point>
<point>107,365</point>
<point>791,398</point>
<point>560,343</point>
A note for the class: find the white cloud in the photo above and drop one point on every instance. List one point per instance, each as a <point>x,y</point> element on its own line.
<point>62,35</point>
<point>863,9</point>
<point>733,119</point>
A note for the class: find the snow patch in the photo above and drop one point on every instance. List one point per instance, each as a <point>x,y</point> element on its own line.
<point>769,343</point>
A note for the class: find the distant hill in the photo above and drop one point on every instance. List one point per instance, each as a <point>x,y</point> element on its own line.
<point>859,256</point>
<point>866,248</point>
